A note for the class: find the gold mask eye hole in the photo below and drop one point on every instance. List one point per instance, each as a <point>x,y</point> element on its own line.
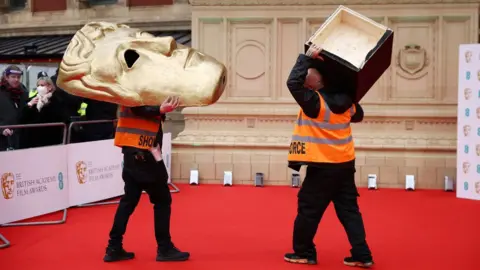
<point>130,56</point>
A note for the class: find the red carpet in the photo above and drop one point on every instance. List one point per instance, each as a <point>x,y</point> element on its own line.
<point>250,228</point>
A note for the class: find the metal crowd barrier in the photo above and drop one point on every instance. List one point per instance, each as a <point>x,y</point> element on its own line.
<point>54,222</point>
<point>174,190</point>
<point>66,140</point>
<point>5,241</point>
<point>72,124</point>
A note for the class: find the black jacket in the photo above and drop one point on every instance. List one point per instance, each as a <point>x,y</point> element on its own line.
<point>50,113</point>
<point>12,114</point>
<point>309,101</point>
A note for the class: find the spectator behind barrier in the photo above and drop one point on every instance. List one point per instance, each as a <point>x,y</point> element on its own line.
<point>46,107</point>
<point>99,110</point>
<point>69,111</point>
<point>33,91</point>
<point>13,103</point>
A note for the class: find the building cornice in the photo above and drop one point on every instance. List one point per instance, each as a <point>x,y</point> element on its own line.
<point>320,2</point>
<point>13,30</point>
<point>161,18</point>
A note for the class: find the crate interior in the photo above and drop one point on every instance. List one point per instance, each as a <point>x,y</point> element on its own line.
<point>349,35</point>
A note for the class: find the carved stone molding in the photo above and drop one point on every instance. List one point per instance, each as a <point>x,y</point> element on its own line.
<point>225,139</point>
<point>320,2</point>
<point>160,18</point>
<point>418,110</point>
<point>374,133</point>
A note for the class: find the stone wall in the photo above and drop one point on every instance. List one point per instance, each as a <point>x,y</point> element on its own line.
<point>410,123</point>
<point>149,18</point>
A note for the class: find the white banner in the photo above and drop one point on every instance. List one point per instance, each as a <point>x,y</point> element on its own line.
<point>94,171</point>
<point>33,182</point>
<point>468,123</point>
<point>167,153</point>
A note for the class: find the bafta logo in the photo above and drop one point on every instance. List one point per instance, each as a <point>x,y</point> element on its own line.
<point>478,75</point>
<point>477,187</point>
<point>478,150</point>
<point>466,130</point>
<point>8,185</point>
<point>467,93</point>
<point>81,170</point>
<point>478,112</point>
<point>466,167</point>
<point>468,56</point>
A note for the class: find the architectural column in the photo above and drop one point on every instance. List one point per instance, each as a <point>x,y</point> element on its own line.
<point>410,123</point>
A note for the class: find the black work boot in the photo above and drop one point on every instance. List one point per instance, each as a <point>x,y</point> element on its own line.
<point>350,261</point>
<point>171,255</point>
<point>302,259</point>
<point>117,254</point>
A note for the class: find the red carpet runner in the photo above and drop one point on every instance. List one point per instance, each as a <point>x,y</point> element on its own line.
<point>250,228</point>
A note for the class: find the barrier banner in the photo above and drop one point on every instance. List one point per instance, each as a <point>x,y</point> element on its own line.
<point>167,153</point>
<point>468,123</point>
<point>33,182</point>
<point>94,171</point>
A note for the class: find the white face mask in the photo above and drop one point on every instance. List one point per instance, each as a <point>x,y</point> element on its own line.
<point>42,90</point>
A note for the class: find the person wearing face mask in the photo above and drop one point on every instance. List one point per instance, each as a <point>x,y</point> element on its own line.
<point>13,103</point>
<point>44,108</point>
<point>33,92</point>
<point>322,141</point>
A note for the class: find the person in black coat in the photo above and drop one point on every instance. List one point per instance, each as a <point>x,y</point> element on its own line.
<point>68,109</point>
<point>13,103</point>
<point>46,107</point>
<point>99,110</point>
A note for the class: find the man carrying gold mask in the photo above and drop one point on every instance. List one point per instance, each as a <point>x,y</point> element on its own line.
<point>118,64</point>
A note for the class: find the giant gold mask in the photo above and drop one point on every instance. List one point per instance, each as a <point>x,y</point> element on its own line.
<point>118,64</point>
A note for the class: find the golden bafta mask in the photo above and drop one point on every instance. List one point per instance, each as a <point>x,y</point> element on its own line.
<point>118,64</point>
<point>8,185</point>
<point>478,149</point>
<point>477,187</point>
<point>466,167</point>
<point>468,93</point>
<point>468,56</point>
<point>478,112</point>
<point>466,130</point>
<point>478,75</point>
<point>81,169</point>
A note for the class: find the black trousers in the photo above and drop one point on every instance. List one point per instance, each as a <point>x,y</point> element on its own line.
<point>142,173</point>
<point>320,187</point>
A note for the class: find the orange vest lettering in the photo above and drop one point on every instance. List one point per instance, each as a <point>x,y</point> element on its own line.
<point>135,131</point>
<point>325,139</point>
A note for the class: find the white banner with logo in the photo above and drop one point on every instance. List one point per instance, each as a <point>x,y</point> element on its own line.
<point>468,123</point>
<point>94,171</point>
<point>33,182</point>
<point>167,153</point>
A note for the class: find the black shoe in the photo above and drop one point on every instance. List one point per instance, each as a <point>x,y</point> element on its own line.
<point>350,261</point>
<point>172,255</point>
<point>117,254</point>
<point>294,258</point>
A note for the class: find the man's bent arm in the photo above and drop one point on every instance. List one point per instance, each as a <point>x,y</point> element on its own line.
<point>148,111</point>
<point>358,116</point>
<point>306,98</point>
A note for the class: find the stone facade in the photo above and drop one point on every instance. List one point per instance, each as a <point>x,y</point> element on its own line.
<point>26,22</point>
<point>410,123</point>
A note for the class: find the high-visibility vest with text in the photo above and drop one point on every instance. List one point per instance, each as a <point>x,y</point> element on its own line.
<point>135,131</point>
<point>325,139</point>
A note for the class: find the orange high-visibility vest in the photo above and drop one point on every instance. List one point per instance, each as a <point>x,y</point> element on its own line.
<point>325,139</point>
<point>135,131</point>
